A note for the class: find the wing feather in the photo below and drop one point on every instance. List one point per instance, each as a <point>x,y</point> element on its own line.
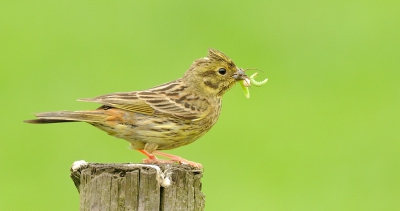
<point>167,99</point>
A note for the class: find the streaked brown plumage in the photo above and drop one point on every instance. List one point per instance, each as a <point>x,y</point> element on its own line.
<point>166,116</point>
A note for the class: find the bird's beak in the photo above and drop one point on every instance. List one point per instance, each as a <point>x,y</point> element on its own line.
<point>240,75</point>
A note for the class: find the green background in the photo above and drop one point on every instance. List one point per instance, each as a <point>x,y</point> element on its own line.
<point>322,134</point>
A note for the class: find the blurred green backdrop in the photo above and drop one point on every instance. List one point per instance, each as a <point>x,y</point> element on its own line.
<point>323,134</point>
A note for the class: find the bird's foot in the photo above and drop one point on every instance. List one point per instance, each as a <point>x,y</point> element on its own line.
<point>173,158</point>
<point>155,160</point>
<point>178,159</point>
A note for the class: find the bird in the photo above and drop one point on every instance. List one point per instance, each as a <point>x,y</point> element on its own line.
<point>164,117</point>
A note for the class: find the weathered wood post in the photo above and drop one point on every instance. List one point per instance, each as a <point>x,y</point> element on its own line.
<point>137,186</point>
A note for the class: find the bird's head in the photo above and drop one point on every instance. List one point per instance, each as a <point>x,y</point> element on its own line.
<point>214,74</point>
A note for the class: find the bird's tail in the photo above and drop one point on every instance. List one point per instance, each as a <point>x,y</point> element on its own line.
<point>68,116</point>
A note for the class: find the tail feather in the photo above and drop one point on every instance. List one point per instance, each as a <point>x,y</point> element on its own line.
<point>47,121</point>
<point>68,116</point>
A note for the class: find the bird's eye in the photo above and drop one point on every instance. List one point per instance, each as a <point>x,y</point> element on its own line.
<point>222,71</point>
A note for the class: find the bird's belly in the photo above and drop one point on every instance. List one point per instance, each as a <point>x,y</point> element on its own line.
<point>166,132</point>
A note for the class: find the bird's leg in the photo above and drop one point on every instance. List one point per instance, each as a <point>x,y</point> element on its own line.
<point>149,150</point>
<point>178,159</point>
<point>151,158</point>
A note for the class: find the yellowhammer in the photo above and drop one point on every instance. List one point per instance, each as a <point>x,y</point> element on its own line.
<point>166,116</point>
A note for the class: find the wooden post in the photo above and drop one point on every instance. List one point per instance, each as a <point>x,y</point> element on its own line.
<point>137,186</point>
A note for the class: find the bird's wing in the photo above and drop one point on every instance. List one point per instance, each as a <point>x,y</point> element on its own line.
<point>169,98</point>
